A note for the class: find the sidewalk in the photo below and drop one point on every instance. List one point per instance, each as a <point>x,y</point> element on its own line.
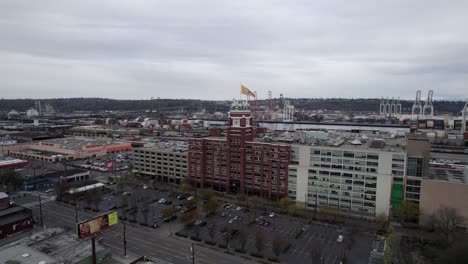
<point>134,259</point>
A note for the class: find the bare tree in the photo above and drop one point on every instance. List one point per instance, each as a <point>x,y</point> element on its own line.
<point>259,242</point>
<point>145,211</point>
<point>316,252</point>
<point>196,231</point>
<point>211,231</point>
<point>447,220</point>
<point>227,237</point>
<point>210,207</point>
<point>243,236</point>
<point>124,206</point>
<point>88,198</point>
<point>97,202</point>
<point>277,245</point>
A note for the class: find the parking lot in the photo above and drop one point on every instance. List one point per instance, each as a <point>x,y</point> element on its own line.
<point>300,250</point>
<point>106,163</point>
<point>303,235</point>
<point>143,206</point>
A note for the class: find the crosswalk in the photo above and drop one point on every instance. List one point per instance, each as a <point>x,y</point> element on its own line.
<point>44,200</point>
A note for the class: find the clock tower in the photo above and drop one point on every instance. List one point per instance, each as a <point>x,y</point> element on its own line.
<point>239,130</point>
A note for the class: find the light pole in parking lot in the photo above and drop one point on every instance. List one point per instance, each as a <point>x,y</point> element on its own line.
<point>170,228</point>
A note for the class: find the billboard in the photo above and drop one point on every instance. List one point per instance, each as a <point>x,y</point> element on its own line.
<point>96,225</point>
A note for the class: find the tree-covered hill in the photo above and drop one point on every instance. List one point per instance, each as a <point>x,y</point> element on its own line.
<point>102,104</point>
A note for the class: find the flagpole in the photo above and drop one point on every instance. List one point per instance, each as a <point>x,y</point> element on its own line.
<point>240,92</point>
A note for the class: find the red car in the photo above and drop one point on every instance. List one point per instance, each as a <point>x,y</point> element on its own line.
<point>266,224</point>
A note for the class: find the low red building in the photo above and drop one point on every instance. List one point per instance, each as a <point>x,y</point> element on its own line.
<point>13,219</point>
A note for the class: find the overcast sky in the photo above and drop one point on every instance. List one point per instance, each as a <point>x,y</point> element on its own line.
<point>205,49</point>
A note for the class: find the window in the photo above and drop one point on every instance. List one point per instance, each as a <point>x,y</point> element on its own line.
<point>414,167</point>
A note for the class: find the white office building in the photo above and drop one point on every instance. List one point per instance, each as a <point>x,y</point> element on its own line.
<point>353,173</point>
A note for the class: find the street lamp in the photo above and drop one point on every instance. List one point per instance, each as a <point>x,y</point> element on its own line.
<point>124,238</point>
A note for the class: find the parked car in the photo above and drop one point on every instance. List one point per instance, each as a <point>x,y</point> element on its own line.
<point>246,210</point>
<point>188,209</point>
<point>167,202</point>
<point>234,233</point>
<point>200,223</point>
<point>223,214</point>
<point>266,224</point>
<point>190,198</point>
<point>272,214</point>
<point>178,207</point>
<point>161,201</point>
<point>238,208</point>
<point>232,220</point>
<point>227,206</point>
<point>167,219</point>
<point>340,239</point>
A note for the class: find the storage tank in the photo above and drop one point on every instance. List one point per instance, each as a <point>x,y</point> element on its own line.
<point>32,113</point>
<point>13,114</point>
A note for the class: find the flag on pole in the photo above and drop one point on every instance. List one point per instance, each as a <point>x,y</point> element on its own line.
<point>246,91</point>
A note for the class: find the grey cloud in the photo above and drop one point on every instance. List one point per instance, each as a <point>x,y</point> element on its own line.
<point>204,49</point>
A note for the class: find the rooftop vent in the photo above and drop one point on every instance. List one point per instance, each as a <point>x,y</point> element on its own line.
<point>377,143</point>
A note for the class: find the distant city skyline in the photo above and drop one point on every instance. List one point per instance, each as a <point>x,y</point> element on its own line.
<point>207,49</point>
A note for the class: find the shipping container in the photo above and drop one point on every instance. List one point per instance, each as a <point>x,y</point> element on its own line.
<point>457,124</point>
<point>439,124</point>
<point>422,124</point>
<point>441,133</point>
<point>430,124</point>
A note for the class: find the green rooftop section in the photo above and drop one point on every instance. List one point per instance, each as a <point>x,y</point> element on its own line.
<point>397,195</point>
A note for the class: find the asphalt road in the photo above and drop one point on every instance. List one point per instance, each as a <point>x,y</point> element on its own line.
<point>140,240</point>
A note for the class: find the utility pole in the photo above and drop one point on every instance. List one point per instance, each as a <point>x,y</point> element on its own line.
<point>93,246</point>
<point>124,239</point>
<point>40,210</point>
<point>114,165</point>
<point>193,253</point>
<point>76,214</point>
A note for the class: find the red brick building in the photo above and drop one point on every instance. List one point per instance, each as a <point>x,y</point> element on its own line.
<point>237,163</point>
<point>13,219</point>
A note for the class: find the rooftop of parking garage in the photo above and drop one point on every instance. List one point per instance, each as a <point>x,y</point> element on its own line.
<point>341,139</point>
<point>452,173</point>
<point>73,143</point>
<point>166,146</point>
